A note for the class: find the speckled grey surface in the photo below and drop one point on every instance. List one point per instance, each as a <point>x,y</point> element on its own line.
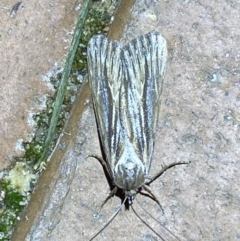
<point>199,122</point>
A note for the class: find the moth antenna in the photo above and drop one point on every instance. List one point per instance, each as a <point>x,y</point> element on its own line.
<point>109,221</point>
<point>156,221</point>
<point>147,223</point>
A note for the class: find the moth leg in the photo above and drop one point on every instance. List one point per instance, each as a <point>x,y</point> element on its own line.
<point>111,194</point>
<point>165,167</point>
<point>145,188</point>
<point>103,163</point>
<point>105,166</point>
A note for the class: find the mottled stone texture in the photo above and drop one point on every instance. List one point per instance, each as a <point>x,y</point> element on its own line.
<point>199,122</point>
<point>33,45</point>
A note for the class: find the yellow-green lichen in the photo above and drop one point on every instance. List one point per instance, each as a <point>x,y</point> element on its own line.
<point>20,177</point>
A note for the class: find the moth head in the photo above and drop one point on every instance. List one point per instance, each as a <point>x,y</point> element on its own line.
<point>130,195</point>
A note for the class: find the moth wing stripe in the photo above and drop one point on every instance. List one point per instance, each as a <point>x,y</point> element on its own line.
<point>144,66</point>
<point>105,71</point>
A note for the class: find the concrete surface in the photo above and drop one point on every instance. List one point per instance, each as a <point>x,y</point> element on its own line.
<point>33,46</point>
<point>199,122</point>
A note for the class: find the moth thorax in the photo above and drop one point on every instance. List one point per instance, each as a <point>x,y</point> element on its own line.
<point>129,176</point>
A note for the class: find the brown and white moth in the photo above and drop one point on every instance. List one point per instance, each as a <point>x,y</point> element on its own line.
<point>126,85</point>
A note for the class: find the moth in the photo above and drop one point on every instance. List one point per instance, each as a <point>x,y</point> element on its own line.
<point>126,85</point>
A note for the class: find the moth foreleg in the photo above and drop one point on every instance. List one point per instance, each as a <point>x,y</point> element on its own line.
<point>111,194</point>
<point>106,168</point>
<point>165,167</point>
<point>145,188</point>
<point>104,164</point>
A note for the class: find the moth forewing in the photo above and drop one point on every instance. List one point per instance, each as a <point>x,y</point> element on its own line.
<point>144,67</point>
<point>104,73</point>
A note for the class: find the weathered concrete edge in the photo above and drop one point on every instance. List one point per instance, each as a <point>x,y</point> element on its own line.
<point>49,177</point>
